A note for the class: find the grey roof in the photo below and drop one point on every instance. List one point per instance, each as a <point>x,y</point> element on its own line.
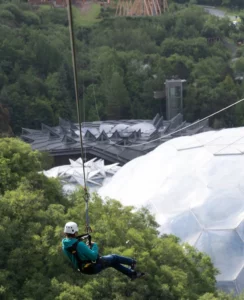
<point>115,141</point>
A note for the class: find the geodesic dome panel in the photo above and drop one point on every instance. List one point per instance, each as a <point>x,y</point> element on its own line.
<point>240,230</point>
<point>185,226</point>
<point>226,250</point>
<point>227,286</point>
<point>179,199</point>
<point>226,169</point>
<point>194,185</point>
<point>220,209</point>
<point>240,280</point>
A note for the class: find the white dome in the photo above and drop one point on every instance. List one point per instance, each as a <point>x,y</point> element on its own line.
<point>194,185</point>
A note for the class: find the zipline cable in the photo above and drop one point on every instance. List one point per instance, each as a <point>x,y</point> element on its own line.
<point>73,51</point>
<point>181,129</point>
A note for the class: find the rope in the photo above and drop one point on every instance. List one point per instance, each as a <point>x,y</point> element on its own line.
<point>84,108</point>
<point>176,131</point>
<point>73,51</point>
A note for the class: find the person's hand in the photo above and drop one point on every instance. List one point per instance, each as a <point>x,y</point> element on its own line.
<point>91,245</point>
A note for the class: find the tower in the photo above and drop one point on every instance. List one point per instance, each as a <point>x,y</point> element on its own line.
<point>174,97</point>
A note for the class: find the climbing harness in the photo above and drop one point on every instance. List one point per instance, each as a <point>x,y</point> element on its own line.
<point>85,266</point>
<point>73,51</point>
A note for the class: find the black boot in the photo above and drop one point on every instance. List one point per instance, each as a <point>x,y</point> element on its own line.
<point>136,275</point>
<point>133,265</point>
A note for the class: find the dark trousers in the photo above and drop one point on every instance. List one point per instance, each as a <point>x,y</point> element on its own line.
<point>110,261</point>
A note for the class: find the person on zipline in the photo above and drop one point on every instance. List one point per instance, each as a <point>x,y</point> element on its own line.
<point>87,260</point>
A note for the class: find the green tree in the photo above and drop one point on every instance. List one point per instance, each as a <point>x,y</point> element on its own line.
<point>5,129</point>
<point>117,99</point>
<point>239,65</point>
<point>17,160</point>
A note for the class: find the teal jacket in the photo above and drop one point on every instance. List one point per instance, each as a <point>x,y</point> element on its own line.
<point>84,252</point>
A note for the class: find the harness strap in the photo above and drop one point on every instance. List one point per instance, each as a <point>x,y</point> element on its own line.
<point>82,264</point>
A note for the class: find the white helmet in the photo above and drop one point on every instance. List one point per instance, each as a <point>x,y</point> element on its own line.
<point>70,227</point>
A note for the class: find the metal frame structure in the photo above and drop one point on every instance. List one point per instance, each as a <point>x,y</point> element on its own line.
<point>141,7</point>
<point>63,142</point>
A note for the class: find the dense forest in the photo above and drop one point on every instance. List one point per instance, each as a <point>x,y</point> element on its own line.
<point>33,211</point>
<point>121,61</point>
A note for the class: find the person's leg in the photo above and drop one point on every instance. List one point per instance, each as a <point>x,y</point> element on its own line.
<point>126,271</point>
<point>116,261</point>
<point>113,261</point>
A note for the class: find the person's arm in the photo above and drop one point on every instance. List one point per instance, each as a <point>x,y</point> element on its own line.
<point>91,254</point>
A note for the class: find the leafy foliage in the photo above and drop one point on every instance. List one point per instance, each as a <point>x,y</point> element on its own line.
<point>121,61</point>
<point>17,160</point>
<point>222,296</point>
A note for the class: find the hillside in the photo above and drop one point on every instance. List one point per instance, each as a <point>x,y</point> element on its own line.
<point>121,61</point>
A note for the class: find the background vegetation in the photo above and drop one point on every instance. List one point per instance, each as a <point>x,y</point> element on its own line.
<point>121,61</point>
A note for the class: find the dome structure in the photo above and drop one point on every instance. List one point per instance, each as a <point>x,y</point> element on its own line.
<point>194,185</point>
